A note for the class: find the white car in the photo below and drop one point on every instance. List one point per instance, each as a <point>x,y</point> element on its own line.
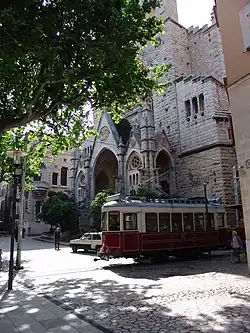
<point>91,241</point>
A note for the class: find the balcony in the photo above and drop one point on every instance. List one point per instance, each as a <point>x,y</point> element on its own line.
<point>40,189</point>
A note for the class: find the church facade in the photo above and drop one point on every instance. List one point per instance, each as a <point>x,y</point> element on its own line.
<point>176,142</point>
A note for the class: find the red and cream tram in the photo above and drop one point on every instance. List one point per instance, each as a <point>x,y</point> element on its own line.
<point>156,228</point>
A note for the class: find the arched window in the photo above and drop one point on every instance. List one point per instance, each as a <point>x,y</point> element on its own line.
<point>201,102</point>
<point>188,108</point>
<point>134,165</point>
<point>195,105</point>
<point>81,187</point>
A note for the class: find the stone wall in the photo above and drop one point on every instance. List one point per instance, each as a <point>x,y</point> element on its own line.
<point>41,189</point>
<point>206,52</point>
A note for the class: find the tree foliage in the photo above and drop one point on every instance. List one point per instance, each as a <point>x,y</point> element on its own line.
<point>96,205</point>
<point>59,208</point>
<point>57,56</point>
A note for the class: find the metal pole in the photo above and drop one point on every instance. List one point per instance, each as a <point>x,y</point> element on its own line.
<point>207,221</point>
<point>236,194</point>
<point>21,215</point>
<point>12,245</point>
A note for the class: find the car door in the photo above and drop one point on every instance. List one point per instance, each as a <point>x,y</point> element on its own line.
<point>96,242</point>
<point>87,241</point>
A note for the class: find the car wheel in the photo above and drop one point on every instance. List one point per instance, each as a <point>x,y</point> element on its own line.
<point>85,250</point>
<point>74,249</point>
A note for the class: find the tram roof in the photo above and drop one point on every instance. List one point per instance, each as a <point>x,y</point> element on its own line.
<point>159,204</point>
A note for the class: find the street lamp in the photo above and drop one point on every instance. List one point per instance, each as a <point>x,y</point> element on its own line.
<point>16,155</point>
<point>208,222</point>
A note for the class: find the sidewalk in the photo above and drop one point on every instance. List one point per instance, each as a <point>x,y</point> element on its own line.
<point>23,311</point>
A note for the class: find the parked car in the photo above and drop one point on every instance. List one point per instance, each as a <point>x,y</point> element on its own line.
<point>91,241</point>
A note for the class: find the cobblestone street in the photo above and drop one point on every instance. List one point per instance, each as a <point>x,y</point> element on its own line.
<point>179,296</point>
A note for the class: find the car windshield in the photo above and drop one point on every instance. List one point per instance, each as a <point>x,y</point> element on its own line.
<point>86,236</point>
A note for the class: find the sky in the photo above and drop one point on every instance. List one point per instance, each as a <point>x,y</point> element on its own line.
<point>194,12</point>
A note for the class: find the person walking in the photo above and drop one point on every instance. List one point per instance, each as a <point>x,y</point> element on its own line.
<point>57,236</point>
<point>237,246</point>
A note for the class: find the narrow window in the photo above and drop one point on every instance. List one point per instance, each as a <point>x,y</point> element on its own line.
<point>38,207</point>
<point>221,219</point>
<point>137,179</point>
<point>130,180</point>
<point>64,173</point>
<point>199,221</point>
<point>130,221</point>
<point>54,178</point>
<point>176,222</point>
<point>195,105</point>
<point>164,222</point>
<point>151,222</point>
<point>201,102</point>
<point>133,179</point>
<point>188,222</point>
<point>211,220</point>
<point>188,108</point>
<point>104,221</point>
<point>114,221</point>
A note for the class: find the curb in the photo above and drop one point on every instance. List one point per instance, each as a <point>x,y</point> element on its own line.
<point>71,309</point>
<point>80,316</point>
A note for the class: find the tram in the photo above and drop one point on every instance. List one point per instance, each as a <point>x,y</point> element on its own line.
<point>157,228</point>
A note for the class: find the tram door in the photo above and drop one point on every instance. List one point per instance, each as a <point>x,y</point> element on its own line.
<point>130,232</point>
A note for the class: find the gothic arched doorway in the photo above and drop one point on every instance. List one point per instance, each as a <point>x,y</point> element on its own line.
<point>164,171</point>
<point>105,173</point>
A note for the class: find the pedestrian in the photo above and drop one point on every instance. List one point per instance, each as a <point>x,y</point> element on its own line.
<point>23,232</point>
<point>237,246</point>
<point>57,235</point>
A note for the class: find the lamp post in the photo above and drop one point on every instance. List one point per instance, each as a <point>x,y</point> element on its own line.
<point>16,155</point>
<point>208,222</point>
<point>21,214</point>
<point>236,194</point>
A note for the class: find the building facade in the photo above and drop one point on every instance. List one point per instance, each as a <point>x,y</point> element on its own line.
<point>178,140</point>
<point>233,18</point>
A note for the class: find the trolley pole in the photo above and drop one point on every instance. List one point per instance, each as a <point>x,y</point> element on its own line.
<point>207,221</point>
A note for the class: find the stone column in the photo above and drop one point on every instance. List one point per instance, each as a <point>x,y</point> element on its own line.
<point>121,168</point>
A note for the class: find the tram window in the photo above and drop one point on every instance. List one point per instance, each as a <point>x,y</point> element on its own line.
<point>199,222</point>
<point>188,222</point>
<point>164,222</point>
<point>104,221</point>
<point>221,219</point>
<point>130,221</point>
<point>211,219</point>
<point>114,221</point>
<point>176,222</point>
<point>151,222</point>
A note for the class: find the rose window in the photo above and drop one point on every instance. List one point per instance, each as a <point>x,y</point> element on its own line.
<point>135,162</point>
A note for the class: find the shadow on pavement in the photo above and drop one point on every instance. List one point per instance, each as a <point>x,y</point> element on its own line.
<point>220,263</point>
<point>120,307</point>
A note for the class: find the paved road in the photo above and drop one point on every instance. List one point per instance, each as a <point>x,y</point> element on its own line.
<point>191,296</point>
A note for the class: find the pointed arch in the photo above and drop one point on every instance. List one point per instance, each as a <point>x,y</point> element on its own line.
<point>105,171</point>
<point>164,169</point>
<point>133,172</point>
